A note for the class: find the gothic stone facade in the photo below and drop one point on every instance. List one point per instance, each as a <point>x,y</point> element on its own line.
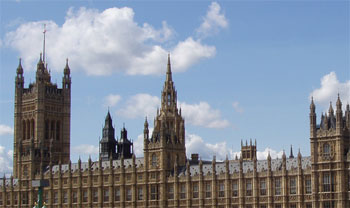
<point>164,177</point>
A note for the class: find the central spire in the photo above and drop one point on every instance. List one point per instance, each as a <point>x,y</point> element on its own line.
<point>168,72</point>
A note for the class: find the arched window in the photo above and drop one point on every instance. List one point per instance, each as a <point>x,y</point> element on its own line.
<point>58,129</point>
<point>169,98</point>
<point>154,160</point>
<point>24,130</point>
<point>326,150</point>
<point>52,134</point>
<point>46,129</point>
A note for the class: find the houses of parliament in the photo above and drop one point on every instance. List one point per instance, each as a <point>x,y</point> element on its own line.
<point>164,176</point>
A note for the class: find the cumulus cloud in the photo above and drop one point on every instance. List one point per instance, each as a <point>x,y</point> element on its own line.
<point>237,107</point>
<point>140,105</point>
<point>85,149</point>
<point>213,21</point>
<point>102,43</point>
<point>202,114</point>
<point>6,157</point>
<point>196,144</point>
<point>138,144</point>
<point>4,130</point>
<point>111,100</point>
<point>330,87</point>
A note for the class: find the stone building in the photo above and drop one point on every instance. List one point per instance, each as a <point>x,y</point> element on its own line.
<point>164,177</point>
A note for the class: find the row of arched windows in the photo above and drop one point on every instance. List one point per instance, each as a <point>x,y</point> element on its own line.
<point>28,129</point>
<point>52,130</point>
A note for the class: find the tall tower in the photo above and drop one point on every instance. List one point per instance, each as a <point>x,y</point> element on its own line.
<point>167,143</point>
<point>330,156</point>
<point>108,142</point>
<point>42,122</point>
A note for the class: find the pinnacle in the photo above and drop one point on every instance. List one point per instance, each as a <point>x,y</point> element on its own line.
<point>168,73</point>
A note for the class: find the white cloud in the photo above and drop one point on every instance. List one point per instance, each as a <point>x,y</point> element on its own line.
<point>140,105</point>
<point>202,114</point>
<point>138,143</point>
<point>102,43</point>
<point>4,130</point>
<point>195,144</point>
<point>6,158</point>
<point>330,87</point>
<point>213,21</point>
<point>85,149</point>
<point>111,100</point>
<point>273,153</point>
<point>237,107</point>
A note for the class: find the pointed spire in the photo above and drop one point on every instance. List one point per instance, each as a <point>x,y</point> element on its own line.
<point>168,72</point>
<point>339,104</point>
<point>66,68</point>
<point>291,152</point>
<point>330,111</point>
<point>19,68</point>
<point>312,105</point>
<point>268,156</point>
<point>299,153</point>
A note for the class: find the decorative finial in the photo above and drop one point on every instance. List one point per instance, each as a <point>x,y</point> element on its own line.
<point>44,42</point>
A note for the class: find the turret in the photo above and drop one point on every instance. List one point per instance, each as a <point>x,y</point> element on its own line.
<point>145,130</point>
<point>347,116</point>
<point>19,77</point>
<point>108,142</point>
<point>312,119</point>
<point>339,117</point>
<point>66,80</point>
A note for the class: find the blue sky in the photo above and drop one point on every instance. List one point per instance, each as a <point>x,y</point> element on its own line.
<point>242,69</point>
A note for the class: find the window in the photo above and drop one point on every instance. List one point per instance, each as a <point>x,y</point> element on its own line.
<point>195,190</point>
<point>278,206</point>
<point>293,185</point>
<point>207,190</point>
<point>55,197</point>
<point>235,188</point>
<point>140,193</point>
<point>292,206</point>
<point>221,189</point>
<point>182,191</point>
<point>117,194</point>
<point>154,160</point>
<point>1,199</point>
<point>15,198</point>
<point>94,195</point>
<point>262,187</point>
<point>128,194</point>
<point>326,150</point>
<point>248,187</point>
<point>58,130</point>
<point>169,99</point>
<point>263,206</point>
<point>328,204</point>
<point>65,198</point>
<point>154,192</point>
<point>308,185</point>
<point>85,195</point>
<point>25,198</point>
<point>170,191</point>
<point>74,196</point>
<point>105,195</point>
<point>326,182</point>
<point>277,186</point>
<point>308,205</point>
